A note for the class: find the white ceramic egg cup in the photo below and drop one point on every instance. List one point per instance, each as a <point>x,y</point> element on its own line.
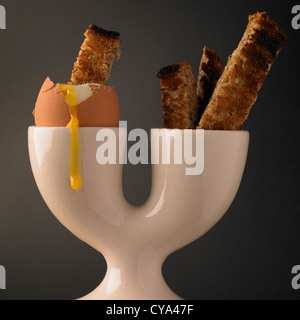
<point>135,241</point>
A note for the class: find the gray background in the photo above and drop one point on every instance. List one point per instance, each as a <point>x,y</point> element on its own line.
<point>249,254</point>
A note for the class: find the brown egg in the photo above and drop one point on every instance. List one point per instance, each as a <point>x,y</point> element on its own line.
<point>99,110</point>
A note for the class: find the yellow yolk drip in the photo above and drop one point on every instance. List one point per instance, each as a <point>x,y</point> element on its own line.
<point>71,99</point>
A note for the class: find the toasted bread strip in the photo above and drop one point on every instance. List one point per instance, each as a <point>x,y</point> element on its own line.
<point>247,68</point>
<point>210,71</point>
<point>96,57</point>
<point>180,104</point>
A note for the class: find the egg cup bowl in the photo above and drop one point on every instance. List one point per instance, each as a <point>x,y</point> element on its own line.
<point>135,241</point>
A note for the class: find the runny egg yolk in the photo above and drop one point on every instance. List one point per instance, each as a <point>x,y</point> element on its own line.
<point>70,95</point>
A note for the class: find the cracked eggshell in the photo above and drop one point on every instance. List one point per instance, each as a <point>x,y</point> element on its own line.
<point>99,110</point>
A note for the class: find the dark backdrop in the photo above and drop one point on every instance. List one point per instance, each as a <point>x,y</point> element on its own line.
<point>249,254</point>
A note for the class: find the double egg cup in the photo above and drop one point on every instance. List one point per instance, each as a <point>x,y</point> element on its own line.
<point>135,241</point>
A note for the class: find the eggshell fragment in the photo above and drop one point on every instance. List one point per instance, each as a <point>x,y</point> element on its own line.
<point>99,110</point>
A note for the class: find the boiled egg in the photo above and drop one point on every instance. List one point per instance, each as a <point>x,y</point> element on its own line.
<point>75,106</point>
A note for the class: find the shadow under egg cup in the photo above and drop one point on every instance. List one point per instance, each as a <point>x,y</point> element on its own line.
<point>135,241</point>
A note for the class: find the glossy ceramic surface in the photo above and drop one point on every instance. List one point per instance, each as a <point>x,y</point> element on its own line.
<point>135,241</point>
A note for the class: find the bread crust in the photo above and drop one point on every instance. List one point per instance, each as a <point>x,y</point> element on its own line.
<point>179,101</point>
<point>210,71</point>
<point>246,70</point>
<point>96,57</point>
